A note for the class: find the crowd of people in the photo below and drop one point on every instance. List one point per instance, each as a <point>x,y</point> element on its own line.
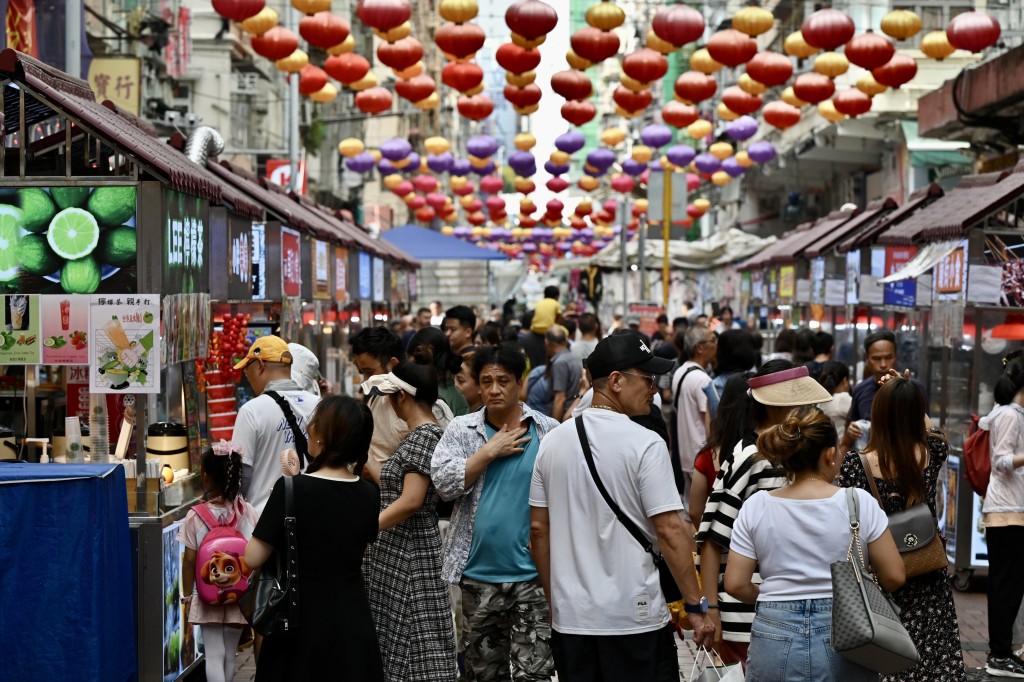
<point>507,499</point>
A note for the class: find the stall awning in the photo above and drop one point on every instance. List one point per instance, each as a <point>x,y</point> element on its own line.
<point>919,198</point>
<point>927,151</point>
<point>761,259</point>
<point>427,244</point>
<point>720,248</point>
<point>925,259</point>
<point>874,211</point>
<point>796,243</point>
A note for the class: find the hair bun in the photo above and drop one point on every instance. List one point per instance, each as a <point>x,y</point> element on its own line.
<point>423,354</point>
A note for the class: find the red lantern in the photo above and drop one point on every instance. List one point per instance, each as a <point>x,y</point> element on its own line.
<point>400,55</point>
<point>495,204</point>
<point>554,208</point>
<point>578,113</point>
<point>692,182</point>
<point>515,59</point>
<point>311,79</point>
<point>827,29</point>
<point>526,221</point>
<point>475,108</point>
<point>781,115</point>
<point>694,86</point>
<point>678,24</point>
<point>415,89</point>
<point>459,40</point>
<point>973,31</point>
<point>531,19</point>
<point>436,201</point>
<point>901,69</point>
<point>741,102</point>
<point>770,68</point>
<point>732,48</point>
<point>623,183</point>
<point>415,202</point>
<point>813,87</point>
<point>324,29</point>
<point>679,115</point>
<point>474,206</point>
<point>277,43</point>
<point>346,68</point>
<point>851,102</point>
<point>571,84</point>
<point>645,65</point>
<point>404,188</point>
<point>384,15</point>
<point>632,101</point>
<point>869,51</point>
<point>523,97</point>
<point>491,184</point>
<point>373,100</point>
<point>425,214</point>
<point>476,219</point>
<point>462,76</point>
<point>594,44</point>
<point>238,10</point>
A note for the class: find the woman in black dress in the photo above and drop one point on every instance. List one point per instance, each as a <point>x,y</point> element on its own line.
<point>905,458</point>
<point>336,517</point>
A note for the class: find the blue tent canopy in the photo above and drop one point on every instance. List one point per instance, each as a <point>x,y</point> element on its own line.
<point>424,244</point>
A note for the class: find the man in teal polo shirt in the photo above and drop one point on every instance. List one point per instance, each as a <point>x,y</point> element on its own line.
<point>484,462</point>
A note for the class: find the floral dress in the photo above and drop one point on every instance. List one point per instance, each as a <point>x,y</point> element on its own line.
<point>408,599</point>
<point>926,602</point>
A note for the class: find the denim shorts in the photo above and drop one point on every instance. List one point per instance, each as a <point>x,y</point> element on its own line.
<point>790,641</point>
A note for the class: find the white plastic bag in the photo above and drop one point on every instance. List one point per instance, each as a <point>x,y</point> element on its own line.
<point>708,667</point>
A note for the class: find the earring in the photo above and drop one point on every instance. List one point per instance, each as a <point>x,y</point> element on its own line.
<point>351,466</point>
<point>319,442</point>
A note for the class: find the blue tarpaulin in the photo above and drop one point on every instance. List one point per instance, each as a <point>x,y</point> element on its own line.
<point>424,244</point>
<point>66,592</point>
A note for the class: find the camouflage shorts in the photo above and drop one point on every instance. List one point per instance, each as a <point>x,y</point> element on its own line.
<point>506,632</point>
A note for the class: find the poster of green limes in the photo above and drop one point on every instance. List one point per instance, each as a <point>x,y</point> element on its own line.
<point>72,240</point>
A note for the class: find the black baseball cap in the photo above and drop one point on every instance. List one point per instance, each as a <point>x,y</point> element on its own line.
<point>621,352</point>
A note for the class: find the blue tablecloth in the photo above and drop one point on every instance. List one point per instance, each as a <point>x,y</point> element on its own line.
<point>66,608</point>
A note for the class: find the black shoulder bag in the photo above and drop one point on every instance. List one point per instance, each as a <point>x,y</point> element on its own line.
<point>301,445</point>
<point>668,584</point>
<point>271,604</point>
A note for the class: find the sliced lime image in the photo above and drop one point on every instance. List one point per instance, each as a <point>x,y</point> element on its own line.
<point>50,342</point>
<point>37,208</point>
<point>37,258</point>
<point>112,205</point>
<point>147,317</point>
<point>118,246</point>
<point>73,233</point>
<point>69,197</point>
<point>10,232</point>
<point>80,276</point>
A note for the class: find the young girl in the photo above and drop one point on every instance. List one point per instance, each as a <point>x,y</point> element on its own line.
<point>221,624</point>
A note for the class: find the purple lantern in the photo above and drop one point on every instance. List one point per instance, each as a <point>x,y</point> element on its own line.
<point>570,142</point>
<point>522,163</point>
<point>706,163</point>
<point>599,244</point>
<point>733,167</point>
<point>656,167</point>
<point>414,163</point>
<point>461,167</point>
<point>529,247</point>
<point>681,154</point>
<point>633,167</point>
<point>585,233</point>
<point>742,128</point>
<point>462,232</point>
<point>554,169</point>
<point>656,135</point>
<point>385,167</point>
<point>482,146</point>
<point>486,170</point>
<point>761,152</point>
<point>396,149</point>
<point>362,162</point>
<point>592,172</point>
<point>601,158</point>
<point>440,163</point>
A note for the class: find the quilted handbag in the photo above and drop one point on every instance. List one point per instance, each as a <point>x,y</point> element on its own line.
<point>271,604</point>
<point>915,532</point>
<point>866,627</point>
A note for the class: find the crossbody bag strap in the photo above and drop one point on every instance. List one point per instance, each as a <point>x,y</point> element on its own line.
<point>291,552</point>
<point>679,387</point>
<point>301,445</point>
<point>619,514</point>
<point>871,478</point>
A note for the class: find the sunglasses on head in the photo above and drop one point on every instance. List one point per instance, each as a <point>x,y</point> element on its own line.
<point>1012,356</point>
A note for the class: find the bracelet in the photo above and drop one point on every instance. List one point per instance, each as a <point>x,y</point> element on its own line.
<point>186,600</point>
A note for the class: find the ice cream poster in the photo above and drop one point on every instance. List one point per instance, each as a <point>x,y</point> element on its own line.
<point>124,348</point>
<point>64,327</point>
<point>19,333</point>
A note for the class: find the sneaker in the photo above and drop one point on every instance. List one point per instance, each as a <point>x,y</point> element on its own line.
<point>1009,666</point>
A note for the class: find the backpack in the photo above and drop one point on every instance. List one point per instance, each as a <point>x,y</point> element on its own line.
<point>221,574</point>
<point>977,457</point>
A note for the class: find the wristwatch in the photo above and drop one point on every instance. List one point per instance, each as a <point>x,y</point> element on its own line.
<point>700,607</point>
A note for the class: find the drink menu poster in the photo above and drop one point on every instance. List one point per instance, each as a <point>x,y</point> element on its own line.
<point>19,332</point>
<point>65,329</point>
<point>124,353</point>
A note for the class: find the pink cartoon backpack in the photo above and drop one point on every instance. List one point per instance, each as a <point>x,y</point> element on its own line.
<point>221,574</point>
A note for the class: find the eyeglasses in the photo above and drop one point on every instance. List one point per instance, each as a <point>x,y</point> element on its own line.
<point>651,379</point>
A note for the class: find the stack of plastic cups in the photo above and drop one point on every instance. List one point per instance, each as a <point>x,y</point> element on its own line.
<point>73,433</point>
<point>99,428</point>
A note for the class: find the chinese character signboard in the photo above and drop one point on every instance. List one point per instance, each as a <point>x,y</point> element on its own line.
<point>117,79</point>
<point>65,329</point>
<point>124,355</point>
<point>321,270</point>
<point>648,313</point>
<point>904,292</point>
<point>365,276</point>
<point>949,275</point>
<point>19,335</point>
<point>291,263</point>
<point>340,274</point>
<point>186,247</point>
<point>787,281</point>
<point>378,280</point>
<point>247,259</point>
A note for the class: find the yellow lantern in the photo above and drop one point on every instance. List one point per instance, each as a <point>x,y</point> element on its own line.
<point>457,182</point>
<point>628,115</point>
<point>424,168</point>
<point>344,47</point>
<point>364,83</point>
<point>827,110</point>
<point>524,142</point>
<point>392,181</point>
<point>666,164</point>
<point>395,34</point>
<point>377,156</point>
<point>702,205</point>
<point>936,45</point>
<point>401,163</point>
<point>743,159</point>
<point>431,101</point>
<point>631,84</point>
<point>901,24</point>
<point>657,44</point>
<point>831,64</point>
<point>790,98</point>
<point>436,145</point>
<point>477,162</point>
<point>721,150</point>
<point>467,200</point>
<point>612,136</point>
<point>458,11</point>
<point>413,71</point>
<point>584,207</point>
<point>725,113</point>
<point>475,91</point>
<point>869,86</point>
<point>589,184</point>
<point>721,178</point>
<point>311,6</point>
<point>526,43</point>
<point>641,205</point>
<point>605,16</point>
<point>795,45</point>
<point>523,185</point>
<point>293,63</point>
<point>350,146</point>
<point>518,232</point>
<point>260,23</point>
<point>526,205</point>
<point>447,230</point>
<point>642,153</point>
<point>520,80</point>
<point>559,158</point>
<point>478,233</point>
<point>527,110</point>
<point>751,86</point>
<point>753,21</point>
<point>699,128</point>
<point>577,62</point>
<point>701,60</point>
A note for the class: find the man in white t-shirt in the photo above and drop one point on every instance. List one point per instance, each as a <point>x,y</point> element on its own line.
<point>608,611</point>
<point>262,430</point>
<point>690,385</point>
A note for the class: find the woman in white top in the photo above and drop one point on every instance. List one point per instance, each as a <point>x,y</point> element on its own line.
<point>792,536</point>
<point>835,378</point>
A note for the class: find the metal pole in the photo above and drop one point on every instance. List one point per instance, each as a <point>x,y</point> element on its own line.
<point>645,285</point>
<point>295,182</point>
<point>73,39</point>
<point>623,242</point>
<point>666,232</point>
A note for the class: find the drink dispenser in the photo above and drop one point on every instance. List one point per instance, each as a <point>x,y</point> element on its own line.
<point>167,443</point>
